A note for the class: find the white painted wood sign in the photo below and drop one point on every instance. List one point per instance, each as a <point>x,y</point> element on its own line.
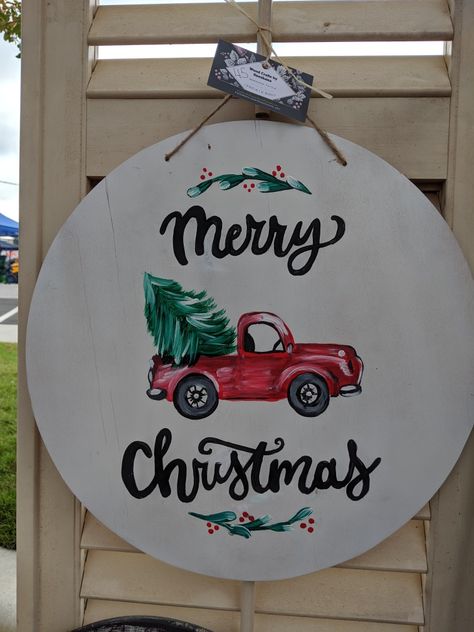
<point>250,361</point>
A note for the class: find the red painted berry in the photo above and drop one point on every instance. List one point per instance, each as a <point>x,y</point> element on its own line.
<point>282,175</point>
<point>209,524</point>
<point>251,518</point>
<point>303,525</point>
<point>241,519</point>
<point>245,186</point>
<point>310,529</point>
<point>210,174</point>
<point>311,521</point>
<point>249,190</point>
<point>204,169</point>
<point>210,531</point>
<point>203,177</point>
<point>216,528</point>
<point>245,514</point>
<point>274,173</point>
<point>278,168</point>
<point>252,185</point>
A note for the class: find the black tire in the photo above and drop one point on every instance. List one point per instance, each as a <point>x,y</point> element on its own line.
<point>195,397</point>
<point>308,395</point>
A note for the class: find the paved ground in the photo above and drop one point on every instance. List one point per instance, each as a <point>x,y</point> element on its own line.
<point>8,290</point>
<point>7,591</point>
<point>8,333</point>
<point>8,313</point>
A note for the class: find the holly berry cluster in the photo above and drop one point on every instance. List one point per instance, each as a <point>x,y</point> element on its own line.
<point>212,528</point>
<point>205,173</point>
<point>309,527</point>
<point>278,171</point>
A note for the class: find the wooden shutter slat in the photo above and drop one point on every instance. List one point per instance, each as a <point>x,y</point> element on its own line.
<point>96,536</point>
<point>352,594</point>
<point>226,621</point>
<point>403,551</point>
<point>410,133</point>
<point>215,620</point>
<point>332,593</point>
<point>138,577</point>
<point>340,76</point>
<point>292,21</point>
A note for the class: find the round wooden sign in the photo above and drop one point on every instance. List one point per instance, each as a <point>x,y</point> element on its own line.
<point>250,361</point>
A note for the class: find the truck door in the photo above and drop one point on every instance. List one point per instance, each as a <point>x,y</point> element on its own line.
<point>262,359</point>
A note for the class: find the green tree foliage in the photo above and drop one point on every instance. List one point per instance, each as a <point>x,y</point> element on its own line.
<point>185,324</point>
<point>10,21</point>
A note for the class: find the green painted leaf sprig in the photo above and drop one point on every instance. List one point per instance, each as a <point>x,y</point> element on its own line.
<point>248,524</point>
<point>267,183</point>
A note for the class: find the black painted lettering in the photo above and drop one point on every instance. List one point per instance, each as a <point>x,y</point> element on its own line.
<point>243,472</point>
<point>303,244</point>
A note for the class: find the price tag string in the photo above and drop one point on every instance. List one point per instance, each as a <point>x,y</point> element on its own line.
<point>194,131</point>
<point>271,53</point>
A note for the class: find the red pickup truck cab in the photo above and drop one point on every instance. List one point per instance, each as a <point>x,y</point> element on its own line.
<point>269,365</point>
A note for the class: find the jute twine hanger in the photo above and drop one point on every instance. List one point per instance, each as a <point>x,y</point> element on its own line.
<point>263,31</point>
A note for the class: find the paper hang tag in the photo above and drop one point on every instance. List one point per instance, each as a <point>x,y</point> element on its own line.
<point>249,76</point>
<point>260,78</point>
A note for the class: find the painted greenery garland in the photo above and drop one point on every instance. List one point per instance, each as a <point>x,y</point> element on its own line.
<point>267,183</point>
<point>249,524</point>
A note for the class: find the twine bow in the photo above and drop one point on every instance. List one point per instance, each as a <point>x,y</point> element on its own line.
<point>271,51</point>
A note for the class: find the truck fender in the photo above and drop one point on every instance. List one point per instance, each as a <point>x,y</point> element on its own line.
<point>289,374</point>
<point>175,380</point>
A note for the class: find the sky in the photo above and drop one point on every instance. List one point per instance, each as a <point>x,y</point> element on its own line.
<point>9,128</point>
<point>10,84</point>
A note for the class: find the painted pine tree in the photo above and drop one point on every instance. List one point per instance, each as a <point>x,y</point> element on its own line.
<point>184,323</point>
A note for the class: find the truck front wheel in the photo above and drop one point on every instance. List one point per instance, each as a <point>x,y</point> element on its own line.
<point>308,395</point>
<point>195,397</point>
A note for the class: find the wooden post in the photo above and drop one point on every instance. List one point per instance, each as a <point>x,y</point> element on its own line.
<point>247,606</point>
<point>450,582</point>
<point>52,181</point>
<point>264,20</point>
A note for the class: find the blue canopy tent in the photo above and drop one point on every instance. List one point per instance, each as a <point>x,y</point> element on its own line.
<point>8,227</point>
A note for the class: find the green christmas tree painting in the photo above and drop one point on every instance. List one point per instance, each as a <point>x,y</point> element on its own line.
<point>185,324</point>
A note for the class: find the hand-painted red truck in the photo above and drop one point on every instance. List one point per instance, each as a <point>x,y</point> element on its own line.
<point>269,365</point>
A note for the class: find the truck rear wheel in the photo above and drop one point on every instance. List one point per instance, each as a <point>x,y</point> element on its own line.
<point>195,397</point>
<point>308,395</point>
